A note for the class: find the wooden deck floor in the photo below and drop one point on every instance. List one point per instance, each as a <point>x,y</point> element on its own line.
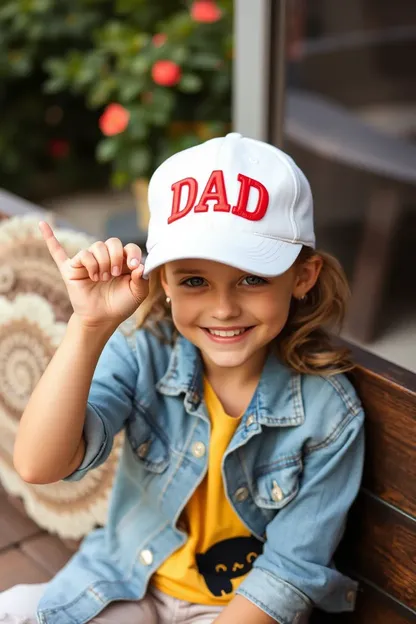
<point>28,554</point>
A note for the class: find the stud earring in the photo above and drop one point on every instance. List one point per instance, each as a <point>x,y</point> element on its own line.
<point>168,300</point>
<point>303,299</point>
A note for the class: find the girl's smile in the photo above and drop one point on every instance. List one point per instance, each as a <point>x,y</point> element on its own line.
<point>227,335</point>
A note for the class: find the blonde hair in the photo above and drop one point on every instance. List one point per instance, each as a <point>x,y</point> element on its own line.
<point>305,344</point>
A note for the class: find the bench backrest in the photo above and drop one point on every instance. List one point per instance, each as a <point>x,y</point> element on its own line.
<point>379,547</point>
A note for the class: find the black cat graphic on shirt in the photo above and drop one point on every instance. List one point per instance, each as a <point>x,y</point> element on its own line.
<point>226,560</point>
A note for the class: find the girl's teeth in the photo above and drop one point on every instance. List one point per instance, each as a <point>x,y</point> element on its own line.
<point>226,334</point>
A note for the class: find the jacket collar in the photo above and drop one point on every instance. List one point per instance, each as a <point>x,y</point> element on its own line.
<point>277,400</point>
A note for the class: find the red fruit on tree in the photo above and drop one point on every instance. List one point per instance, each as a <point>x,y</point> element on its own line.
<point>159,39</point>
<point>166,73</point>
<point>114,120</point>
<point>205,11</point>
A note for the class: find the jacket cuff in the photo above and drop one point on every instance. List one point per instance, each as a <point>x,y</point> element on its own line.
<point>95,444</point>
<point>279,599</point>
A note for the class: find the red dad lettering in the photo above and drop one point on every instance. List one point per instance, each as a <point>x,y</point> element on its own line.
<point>192,185</point>
<point>216,181</point>
<point>241,208</point>
<point>215,191</point>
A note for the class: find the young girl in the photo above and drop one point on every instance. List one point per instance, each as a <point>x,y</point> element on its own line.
<point>244,441</point>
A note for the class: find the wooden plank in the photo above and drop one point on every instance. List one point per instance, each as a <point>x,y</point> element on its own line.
<point>376,608</point>
<point>47,551</point>
<point>390,466</point>
<point>16,568</point>
<point>380,547</point>
<point>372,607</point>
<point>388,393</point>
<point>371,364</point>
<point>14,525</point>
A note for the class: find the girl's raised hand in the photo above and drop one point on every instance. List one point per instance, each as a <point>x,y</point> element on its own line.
<point>104,282</point>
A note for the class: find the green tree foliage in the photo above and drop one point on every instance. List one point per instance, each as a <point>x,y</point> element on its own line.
<point>101,52</point>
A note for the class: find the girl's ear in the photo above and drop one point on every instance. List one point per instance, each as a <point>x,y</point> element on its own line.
<point>307,275</point>
<point>163,281</point>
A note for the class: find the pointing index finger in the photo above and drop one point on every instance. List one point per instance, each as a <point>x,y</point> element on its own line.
<point>55,248</point>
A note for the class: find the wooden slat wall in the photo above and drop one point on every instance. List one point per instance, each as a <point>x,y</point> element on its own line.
<point>380,544</point>
<point>379,547</point>
<point>372,608</point>
<point>391,438</point>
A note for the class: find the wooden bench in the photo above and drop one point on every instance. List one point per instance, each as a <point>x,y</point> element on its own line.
<point>379,547</point>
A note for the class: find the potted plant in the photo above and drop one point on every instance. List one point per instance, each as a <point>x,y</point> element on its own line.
<point>161,75</point>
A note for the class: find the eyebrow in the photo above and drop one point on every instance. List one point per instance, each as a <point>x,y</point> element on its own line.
<point>188,272</point>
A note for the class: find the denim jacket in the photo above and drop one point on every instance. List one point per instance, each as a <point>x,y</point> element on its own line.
<point>301,432</point>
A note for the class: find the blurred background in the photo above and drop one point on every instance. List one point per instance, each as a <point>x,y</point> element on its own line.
<point>94,94</point>
<point>335,87</point>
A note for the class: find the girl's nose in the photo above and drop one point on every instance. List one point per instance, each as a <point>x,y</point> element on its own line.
<point>226,307</point>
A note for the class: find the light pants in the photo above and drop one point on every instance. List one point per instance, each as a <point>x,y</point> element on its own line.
<point>18,605</point>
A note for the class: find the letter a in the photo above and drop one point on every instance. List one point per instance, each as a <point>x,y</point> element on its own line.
<point>216,181</point>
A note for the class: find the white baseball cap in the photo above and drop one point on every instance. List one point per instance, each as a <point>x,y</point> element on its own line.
<point>234,200</point>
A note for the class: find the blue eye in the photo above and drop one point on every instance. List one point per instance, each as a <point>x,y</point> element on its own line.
<point>255,280</point>
<point>193,282</point>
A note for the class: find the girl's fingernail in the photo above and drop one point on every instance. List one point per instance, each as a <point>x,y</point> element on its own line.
<point>145,277</point>
<point>105,276</point>
<point>134,262</point>
<point>115,270</point>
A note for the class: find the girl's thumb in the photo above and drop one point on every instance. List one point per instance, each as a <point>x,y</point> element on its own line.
<point>139,286</point>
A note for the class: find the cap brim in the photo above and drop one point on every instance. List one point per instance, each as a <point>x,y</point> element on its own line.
<point>249,252</point>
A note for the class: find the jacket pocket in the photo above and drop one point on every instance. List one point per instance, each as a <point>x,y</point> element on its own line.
<point>148,444</point>
<point>276,484</point>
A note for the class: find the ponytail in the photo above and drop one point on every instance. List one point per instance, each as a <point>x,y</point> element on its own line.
<point>305,344</point>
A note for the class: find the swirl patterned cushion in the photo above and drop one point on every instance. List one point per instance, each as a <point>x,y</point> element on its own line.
<point>34,311</point>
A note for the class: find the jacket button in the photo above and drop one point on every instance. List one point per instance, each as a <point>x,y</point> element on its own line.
<point>250,420</point>
<point>198,449</point>
<point>277,494</point>
<point>143,449</point>
<point>241,494</point>
<point>350,596</point>
<point>146,557</point>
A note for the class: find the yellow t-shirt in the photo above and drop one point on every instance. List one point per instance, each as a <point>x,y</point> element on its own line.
<point>220,550</point>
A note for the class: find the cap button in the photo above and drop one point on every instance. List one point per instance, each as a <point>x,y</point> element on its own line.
<point>234,135</point>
